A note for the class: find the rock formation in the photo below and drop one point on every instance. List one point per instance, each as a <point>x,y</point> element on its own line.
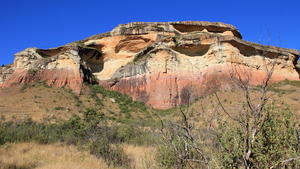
<point>163,64</point>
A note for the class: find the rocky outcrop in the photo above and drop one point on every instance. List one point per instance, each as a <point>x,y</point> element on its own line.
<point>5,72</point>
<point>163,64</point>
<point>58,66</point>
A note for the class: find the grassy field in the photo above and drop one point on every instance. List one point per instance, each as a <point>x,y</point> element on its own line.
<point>61,156</point>
<point>50,156</point>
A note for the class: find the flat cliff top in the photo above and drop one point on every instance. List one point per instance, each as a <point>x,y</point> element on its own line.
<point>187,29</point>
<point>178,27</point>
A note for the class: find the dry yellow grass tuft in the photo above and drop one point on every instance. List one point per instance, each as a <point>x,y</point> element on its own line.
<point>143,157</point>
<point>52,156</point>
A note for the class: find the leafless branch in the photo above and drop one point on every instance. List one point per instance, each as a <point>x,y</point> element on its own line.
<point>226,112</point>
<point>195,160</point>
<point>285,161</point>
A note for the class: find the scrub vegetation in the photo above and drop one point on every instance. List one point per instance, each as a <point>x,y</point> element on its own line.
<point>111,130</point>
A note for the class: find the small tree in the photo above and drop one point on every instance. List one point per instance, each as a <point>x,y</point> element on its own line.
<point>182,143</point>
<point>252,137</point>
<point>275,141</point>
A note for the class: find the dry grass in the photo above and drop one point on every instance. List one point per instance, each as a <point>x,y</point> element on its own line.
<point>143,157</point>
<point>54,156</point>
<point>59,156</point>
<point>232,100</point>
<point>39,102</point>
<point>36,102</point>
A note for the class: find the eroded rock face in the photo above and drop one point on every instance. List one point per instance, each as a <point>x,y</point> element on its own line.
<point>59,66</point>
<point>5,72</point>
<point>163,64</point>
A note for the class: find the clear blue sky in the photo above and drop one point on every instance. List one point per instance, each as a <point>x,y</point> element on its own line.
<point>45,24</point>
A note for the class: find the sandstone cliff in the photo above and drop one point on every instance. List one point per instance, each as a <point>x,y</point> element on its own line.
<point>160,63</point>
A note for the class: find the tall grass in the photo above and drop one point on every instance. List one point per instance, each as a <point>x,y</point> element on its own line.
<point>50,156</point>
<point>90,132</point>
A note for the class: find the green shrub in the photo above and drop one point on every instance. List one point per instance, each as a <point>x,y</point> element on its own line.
<point>124,100</point>
<point>24,87</point>
<point>43,83</point>
<point>126,133</point>
<point>135,27</point>
<point>112,154</point>
<point>158,28</point>
<point>32,71</point>
<point>58,108</point>
<point>275,141</point>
